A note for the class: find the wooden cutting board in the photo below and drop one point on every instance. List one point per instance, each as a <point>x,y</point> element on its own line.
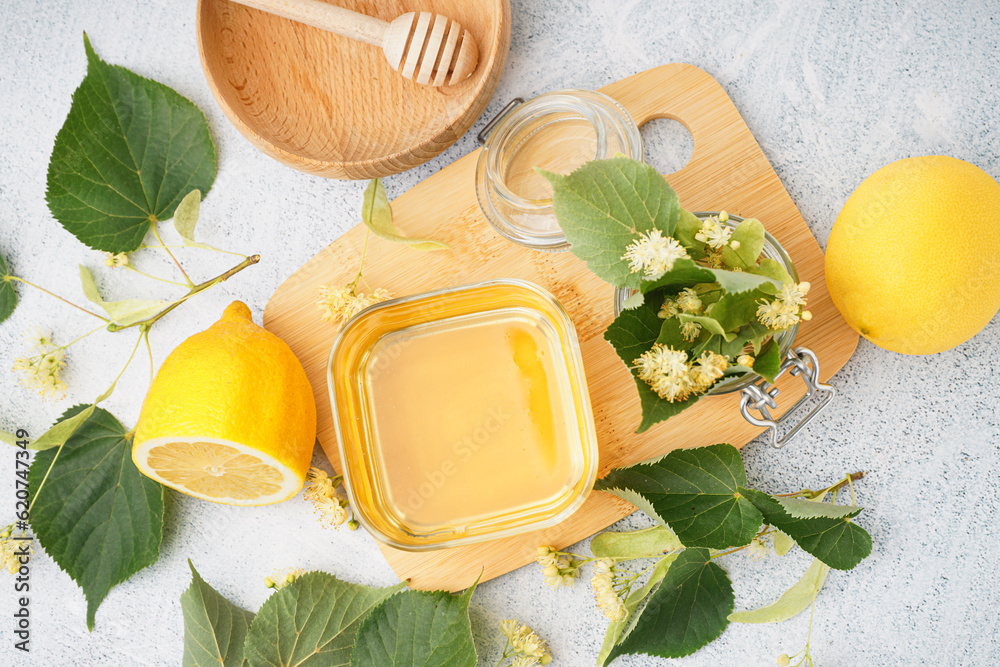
<point>727,171</point>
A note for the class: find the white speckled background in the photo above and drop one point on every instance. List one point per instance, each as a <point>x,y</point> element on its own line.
<point>831,90</point>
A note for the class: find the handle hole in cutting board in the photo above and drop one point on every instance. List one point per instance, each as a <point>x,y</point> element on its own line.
<point>667,144</point>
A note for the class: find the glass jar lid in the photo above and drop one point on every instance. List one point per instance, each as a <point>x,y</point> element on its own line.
<point>558,132</point>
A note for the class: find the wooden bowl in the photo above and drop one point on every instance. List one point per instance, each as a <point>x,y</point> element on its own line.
<point>331,106</point>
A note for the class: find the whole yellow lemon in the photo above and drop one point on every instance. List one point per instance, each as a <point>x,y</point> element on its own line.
<point>913,261</point>
<point>230,416</point>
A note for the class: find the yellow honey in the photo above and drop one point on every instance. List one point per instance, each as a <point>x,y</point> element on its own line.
<point>462,415</point>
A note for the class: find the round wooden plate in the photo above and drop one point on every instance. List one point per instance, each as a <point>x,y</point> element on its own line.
<point>331,106</point>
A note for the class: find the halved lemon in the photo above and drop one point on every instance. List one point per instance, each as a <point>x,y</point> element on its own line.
<point>230,417</point>
<point>218,470</point>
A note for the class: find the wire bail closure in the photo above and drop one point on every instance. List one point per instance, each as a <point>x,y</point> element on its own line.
<point>801,362</point>
<point>485,133</point>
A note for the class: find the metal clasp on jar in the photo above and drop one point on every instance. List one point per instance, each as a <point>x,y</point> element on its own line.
<point>801,362</point>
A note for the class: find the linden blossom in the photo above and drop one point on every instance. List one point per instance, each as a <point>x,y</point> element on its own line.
<point>465,449</point>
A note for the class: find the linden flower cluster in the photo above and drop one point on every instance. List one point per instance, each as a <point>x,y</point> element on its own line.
<point>716,235</point>
<point>523,645</point>
<point>115,260</point>
<point>560,569</point>
<point>321,490</point>
<point>653,254</point>
<point>40,370</point>
<point>608,600</point>
<point>673,377</point>
<point>282,578</point>
<point>11,551</point>
<point>786,310</point>
<point>757,549</point>
<point>689,302</point>
<point>344,302</point>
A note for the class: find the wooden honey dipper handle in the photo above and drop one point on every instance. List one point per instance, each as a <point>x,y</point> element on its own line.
<point>428,48</point>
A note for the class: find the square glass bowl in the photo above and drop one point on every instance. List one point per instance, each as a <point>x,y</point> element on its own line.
<point>462,415</point>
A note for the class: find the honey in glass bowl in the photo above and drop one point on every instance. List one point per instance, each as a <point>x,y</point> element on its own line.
<point>462,415</point>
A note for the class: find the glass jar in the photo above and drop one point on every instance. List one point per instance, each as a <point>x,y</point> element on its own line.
<point>462,415</point>
<point>558,132</point>
<point>757,393</point>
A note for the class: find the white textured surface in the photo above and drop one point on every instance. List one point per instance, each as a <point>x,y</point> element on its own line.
<point>831,90</point>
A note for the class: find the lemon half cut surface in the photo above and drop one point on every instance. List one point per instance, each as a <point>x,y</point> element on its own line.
<point>230,416</point>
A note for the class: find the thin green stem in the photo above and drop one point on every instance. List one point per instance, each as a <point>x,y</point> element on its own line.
<point>764,532</point>
<point>182,247</point>
<point>847,481</point>
<point>67,345</point>
<point>37,287</point>
<point>726,553</point>
<point>156,233</point>
<point>34,496</point>
<point>195,289</point>
<point>506,653</point>
<point>151,276</point>
<point>130,357</point>
<point>361,267</point>
<point>77,340</point>
<point>149,349</point>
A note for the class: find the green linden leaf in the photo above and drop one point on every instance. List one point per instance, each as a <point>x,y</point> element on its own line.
<point>417,628</point>
<point>376,213</point>
<point>685,273</point>
<point>709,342</point>
<point>632,333</point>
<point>186,215</point>
<point>605,205</point>
<point>97,517</point>
<point>801,508</point>
<point>772,268</point>
<point>635,331</point>
<point>670,334</point>
<point>125,312</point>
<point>646,543</point>
<point>186,219</point>
<point>732,311</point>
<point>311,622</point>
<point>792,602</point>
<point>634,301</point>
<point>687,610</point>
<point>635,603</point>
<point>709,323</point>
<point>782,543</point>
<point>129,151</point>
<point>688,224</point>
<point>735,282</point>
<point>696,492</point>
<point>655,409</point>
<point>63,429</point>
<point>8,295</point>
<point>768,361</point>
<point>838,542</point>
<point>750,236</point>
<point>214,628</point>
<point>756,334</point>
